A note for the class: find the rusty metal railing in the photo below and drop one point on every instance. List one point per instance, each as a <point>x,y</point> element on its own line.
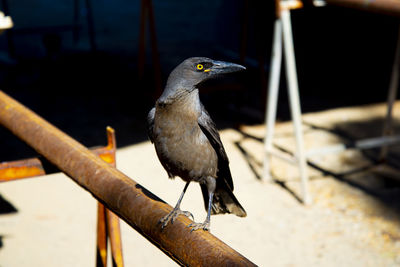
<point>129,200</point>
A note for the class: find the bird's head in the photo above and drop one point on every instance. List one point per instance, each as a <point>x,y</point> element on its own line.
<point>199,69</point>
<point>195,70</point>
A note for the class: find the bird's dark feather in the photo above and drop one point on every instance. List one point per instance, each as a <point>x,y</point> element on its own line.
<point>210,130</point>
<point>150,124</point>
<point>224,201</point>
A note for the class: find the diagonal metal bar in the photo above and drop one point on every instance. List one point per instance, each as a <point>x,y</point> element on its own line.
<point>129,200</point>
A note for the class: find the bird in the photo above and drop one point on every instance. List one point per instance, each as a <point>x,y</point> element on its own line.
<point>187,141</point>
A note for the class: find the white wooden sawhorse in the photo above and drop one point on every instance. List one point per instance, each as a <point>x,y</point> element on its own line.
<point>283,29</point>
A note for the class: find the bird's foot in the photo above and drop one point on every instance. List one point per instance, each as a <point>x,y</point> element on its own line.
<point>196,226</point>
<point>171,217</point>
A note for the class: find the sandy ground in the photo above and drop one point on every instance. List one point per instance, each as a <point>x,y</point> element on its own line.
<point>345,226</point>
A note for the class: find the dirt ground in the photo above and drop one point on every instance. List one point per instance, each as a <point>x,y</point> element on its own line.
<point>353,221</point>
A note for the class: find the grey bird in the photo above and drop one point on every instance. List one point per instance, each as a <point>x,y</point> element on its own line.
<point>187,142</point>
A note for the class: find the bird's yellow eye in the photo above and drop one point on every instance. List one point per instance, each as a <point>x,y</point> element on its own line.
<point>200,66</point>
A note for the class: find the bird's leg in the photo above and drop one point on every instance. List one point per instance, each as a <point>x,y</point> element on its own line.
<point>171,217</point>
<point>206,224</point>
<point>211,185</point>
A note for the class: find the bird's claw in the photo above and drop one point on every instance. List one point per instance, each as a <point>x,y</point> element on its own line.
<point>171,217</point>
<point>188,214</point>
<point>196,226</point>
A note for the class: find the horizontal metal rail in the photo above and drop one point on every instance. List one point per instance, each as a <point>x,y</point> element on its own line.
<point>132,202</point>
<point>360,144</point>
<point>387,7</point>
<point>363,144</point>
<point>32,167</point>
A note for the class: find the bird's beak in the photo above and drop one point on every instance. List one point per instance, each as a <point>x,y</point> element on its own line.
<point>225,67</point>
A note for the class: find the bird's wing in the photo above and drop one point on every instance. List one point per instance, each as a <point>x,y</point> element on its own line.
<point>210,130</point>
<point>150,124</point>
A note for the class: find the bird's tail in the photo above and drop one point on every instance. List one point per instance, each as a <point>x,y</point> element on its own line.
<point>224,201</point>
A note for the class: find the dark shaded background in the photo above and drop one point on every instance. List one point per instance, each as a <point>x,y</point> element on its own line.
<point>344,57</point>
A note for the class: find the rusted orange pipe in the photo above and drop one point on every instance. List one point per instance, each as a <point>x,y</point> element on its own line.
<point>114,233</point>
<point>27,168</point>
<point>111,220</point>
<point>20,169</point>
<point>129,200</point>
<point>101,249</point>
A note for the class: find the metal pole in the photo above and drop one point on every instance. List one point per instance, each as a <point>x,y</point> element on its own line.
<point>394,83</point>
<point>113,226</point>
<point>101,248</point>
<point>132,202</point>
<point>107,222</point>
<point>291,76</point>
<point>273,88</point>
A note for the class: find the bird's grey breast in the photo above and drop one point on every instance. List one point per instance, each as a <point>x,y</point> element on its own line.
<point>181,146</point>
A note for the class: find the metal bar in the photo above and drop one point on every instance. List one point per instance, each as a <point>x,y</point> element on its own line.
<point>101,249</point>
<point>112,221</point>
<point>273,89</point>
<point>394,83</point>
<point>293,88</point>
<point>133,203</point>
<point>377,142</point>
<point>20,169</point>
<point>326,150</point>
<point>288,5</point>
<point>360,144</point>
<point>102,219</point>
<point>284,156</point>
<point>32,167</point>
<point>387,7</point>
<point>114,234</point>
